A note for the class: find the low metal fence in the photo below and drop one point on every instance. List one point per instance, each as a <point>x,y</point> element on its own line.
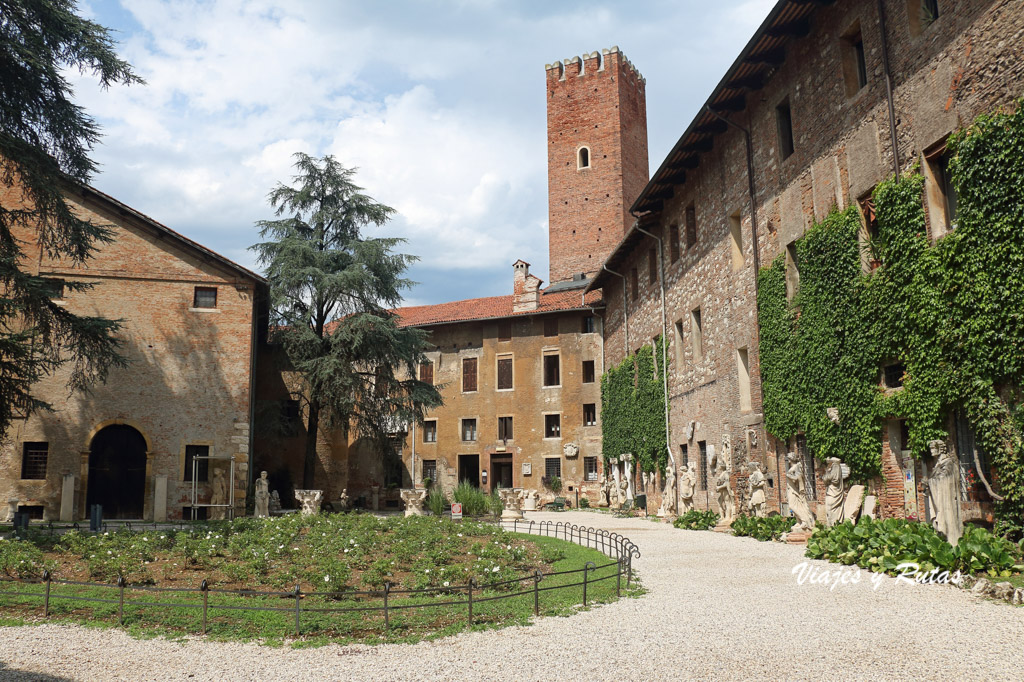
<point>612,545</point>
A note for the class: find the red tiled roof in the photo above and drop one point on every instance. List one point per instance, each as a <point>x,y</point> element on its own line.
<point>492,307</point>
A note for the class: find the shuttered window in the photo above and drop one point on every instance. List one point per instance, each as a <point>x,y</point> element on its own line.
<point>505,330</point>
<point>550,326</point>
<point>427,373</point>
<point>504,374</point>
<point>468,375</point>
<point>504,428</point>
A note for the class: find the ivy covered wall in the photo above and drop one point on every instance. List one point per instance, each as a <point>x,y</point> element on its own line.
<point>952,312</point>
<point>633,410</point>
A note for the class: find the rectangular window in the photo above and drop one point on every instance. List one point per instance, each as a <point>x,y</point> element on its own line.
<point>673,243</point>
<point>588,372</point>
<point>940,194</point>
<point>204,297</point>
<point>505,330</point>
<point>634,284</point>
<point>430,470</point>
<point>590,468</point>
<point>588,326</point>
<point>697,335</point>
<point>652,265</point>
<point>430,431</point>
<point>505,428</point>
<point>691,226</point>
<point>469,430</point>
<point>784,119</point>
<point>678,342</point>
<point>743,378</point>
<point>736,240</point>
<point>685,455</point>
<point>505,373</point>
<point>552,467</point>
<point>202,465</point>
<point>892,375</point>
<point>922,14</point>
<point>552,426</point>
<point>703,463</point>
<point>792,271</point>
<point>590,414</point>
<point>33,460</point>
<point>855,71</point>
<point>55,288</point>
<point>468,375</point>
<point>550,326</point>
<point>427,373</point>
<point>552,374</point>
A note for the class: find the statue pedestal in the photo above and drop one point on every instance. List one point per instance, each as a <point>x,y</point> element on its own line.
<point>414,499</point>
<point>310,501</point>
<point>723,526</point>
<point>798,537</point>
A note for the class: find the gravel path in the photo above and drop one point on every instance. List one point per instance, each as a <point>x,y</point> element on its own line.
<point>717,607</point>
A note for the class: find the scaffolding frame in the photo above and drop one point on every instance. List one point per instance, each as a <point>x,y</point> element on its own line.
<point>196,504</point>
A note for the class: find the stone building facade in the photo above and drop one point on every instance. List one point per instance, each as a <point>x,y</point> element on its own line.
<point>802,122</point>
<point>190,319</point>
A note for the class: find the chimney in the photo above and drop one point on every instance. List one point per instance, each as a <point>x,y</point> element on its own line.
<point>525,288</point>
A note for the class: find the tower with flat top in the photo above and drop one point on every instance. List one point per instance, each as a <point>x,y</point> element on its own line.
<point>597,158</point>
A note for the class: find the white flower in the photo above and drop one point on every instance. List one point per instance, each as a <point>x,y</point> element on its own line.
<point>446,583</point>
<point>346,550</point>
<point>426,571</point>
<point>327,578</point>
<point>494,570</point>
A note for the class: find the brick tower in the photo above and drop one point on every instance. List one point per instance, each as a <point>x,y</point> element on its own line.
<point>597,158</point>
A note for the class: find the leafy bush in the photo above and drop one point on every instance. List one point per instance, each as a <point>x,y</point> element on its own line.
<point>882,545</point>
<point>437,501</point>
<point>22,559</point>
<point>584,503</point>
<point>763,529</point>
<point>696,520</point>
<point>495,503</point>
<point>554,484</point>
<point>473,500</point>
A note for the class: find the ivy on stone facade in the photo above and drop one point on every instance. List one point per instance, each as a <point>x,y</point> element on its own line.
<point>950,312</point>
<point>633,409</point>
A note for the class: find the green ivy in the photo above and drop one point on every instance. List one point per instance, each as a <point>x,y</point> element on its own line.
<point>633,409</point>
<point>951,312</point>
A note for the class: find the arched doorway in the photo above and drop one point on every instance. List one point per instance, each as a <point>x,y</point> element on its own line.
<point>117,472</point>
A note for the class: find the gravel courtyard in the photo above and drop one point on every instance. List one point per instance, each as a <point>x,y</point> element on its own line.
<point>717,607</point>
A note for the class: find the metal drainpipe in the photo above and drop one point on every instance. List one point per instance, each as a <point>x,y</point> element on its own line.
<point>413,482</point>
<point>888,89</point>
<point>625,306</point>
<point>664,352</point>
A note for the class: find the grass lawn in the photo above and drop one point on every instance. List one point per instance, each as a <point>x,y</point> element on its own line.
<point>341,562</point>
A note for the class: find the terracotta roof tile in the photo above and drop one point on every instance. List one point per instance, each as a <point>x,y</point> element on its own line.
<point>492,307</point>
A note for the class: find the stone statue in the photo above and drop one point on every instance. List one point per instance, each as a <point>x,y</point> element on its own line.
<point>726,498</point>
<point>571,450</point>
<point>344,503</point>
<point>12,509</point>
<point>219,495</point>
<point>687,487</point>
<point>602,499</point>
<point>414,499</point>
<point>941,490</point>
<point>275,502</point>
<point>668,497</point>
<point>833,480</point>
<point>689,429</point>
<point>310,501</point>
<point>727,449</point>
<point>623,494</point>
<point>833,414</point>
<point>756,483</point>
<point>530,500</point>
<point>261,509</point>
<point>752,435</point>
<point>796,495</point>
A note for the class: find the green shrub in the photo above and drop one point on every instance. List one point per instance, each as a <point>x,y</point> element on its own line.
<point>696,520</point>
<point>763,529</point>
<point>584,503</point>
<point>437,501</point>
<point>495,503</point>
<point>554,484</point>
<point>882,545</point>
<point>473,500</point>
<point>22,559</point>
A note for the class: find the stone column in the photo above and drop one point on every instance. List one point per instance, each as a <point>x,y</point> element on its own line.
<point>159,499</point>
<point>375,497</point>
<point>67,499</point>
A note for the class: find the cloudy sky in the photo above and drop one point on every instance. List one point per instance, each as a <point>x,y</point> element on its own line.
<point>439,103</point>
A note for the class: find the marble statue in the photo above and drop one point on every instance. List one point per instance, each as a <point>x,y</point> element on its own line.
<point>727,449</point>
<point>833,480</point>
<point>756,483</point>
<point>668,497</point>
<point>344,502</point>
<point>833,414</point>
<point>602,498</point>
<point>941,488</point>
<point>261,509</point>
<point>511,500</point>
<point>623,494</point>
<point>687,487</point>
<point>752,435</point>
<point>796,493</point>
<point>310,501</point>
<point>689,429</point>
<point>12,509</point>
<point>851,508</point>
<point>414,499</point>
<point>274,506</point>
<point>726,497</point>
<point>219,495</point>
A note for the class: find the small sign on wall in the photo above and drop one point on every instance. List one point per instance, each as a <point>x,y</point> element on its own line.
<point>527,469</point>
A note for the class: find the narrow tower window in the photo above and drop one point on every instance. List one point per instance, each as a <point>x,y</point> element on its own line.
<point>583,160</point>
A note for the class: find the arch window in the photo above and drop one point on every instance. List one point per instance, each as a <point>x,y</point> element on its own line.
<point>583,158</point>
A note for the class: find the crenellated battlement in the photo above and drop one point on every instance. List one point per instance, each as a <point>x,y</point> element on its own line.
<point>592,62</point>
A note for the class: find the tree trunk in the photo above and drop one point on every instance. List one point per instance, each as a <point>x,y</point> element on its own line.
<point>312,429</point>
